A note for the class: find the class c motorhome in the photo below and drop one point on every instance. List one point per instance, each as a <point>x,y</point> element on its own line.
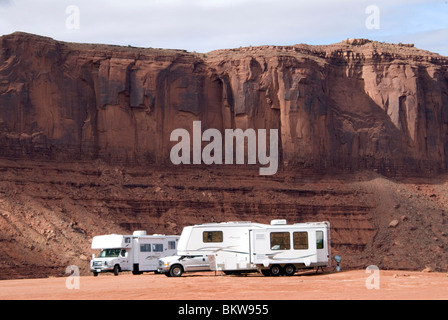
<point>237,247</point>
<point>137,252</point>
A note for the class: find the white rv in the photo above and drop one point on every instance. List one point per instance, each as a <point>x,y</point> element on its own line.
<point>137,252</point>
<point>236,247</point>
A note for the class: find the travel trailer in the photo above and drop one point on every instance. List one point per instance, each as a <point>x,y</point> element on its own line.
<point>237,247</point>
<point>137,252</point>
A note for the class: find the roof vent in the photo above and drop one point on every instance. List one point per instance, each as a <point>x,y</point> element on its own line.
<point>139,233</point>
<point>278,222</point>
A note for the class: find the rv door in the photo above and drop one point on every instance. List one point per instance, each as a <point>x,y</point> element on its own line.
<point>322,246</point>
<point>150,250</point>
<point>259,240</point>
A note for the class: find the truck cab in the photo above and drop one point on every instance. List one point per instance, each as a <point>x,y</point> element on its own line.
<point>175,266</point>
<point>110,260</point>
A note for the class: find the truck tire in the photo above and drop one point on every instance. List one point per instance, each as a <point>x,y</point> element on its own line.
<point>116,270</point>
<point>176,270</point>
<point>289,270</point>
<point>95,274</point>
<point>276,270</point>
<point>265,272</point>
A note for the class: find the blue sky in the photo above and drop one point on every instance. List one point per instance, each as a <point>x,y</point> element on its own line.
<point>205,25</point>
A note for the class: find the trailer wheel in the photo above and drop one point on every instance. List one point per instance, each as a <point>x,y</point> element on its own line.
<point>289,269</point>
<point>275,270</point>
<point>176,270</point>
<point>116,270</point>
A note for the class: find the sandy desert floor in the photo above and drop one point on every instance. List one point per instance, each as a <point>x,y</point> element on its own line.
<point>344,285</point>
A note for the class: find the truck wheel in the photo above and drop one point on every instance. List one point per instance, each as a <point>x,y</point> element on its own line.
<point>116,270</point>
<point>289,269</point>
<point>276,270</point>
<point>265,272</point>
<point>95,274</point>
<point>176,271</point>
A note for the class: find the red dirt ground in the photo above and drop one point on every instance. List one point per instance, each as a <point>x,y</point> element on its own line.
<point>344,285</point>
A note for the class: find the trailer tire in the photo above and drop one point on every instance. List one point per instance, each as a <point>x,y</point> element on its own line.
<point>176,270</point>
<point>289,270</point>
<point>116,269</point>
<point>276,270</point>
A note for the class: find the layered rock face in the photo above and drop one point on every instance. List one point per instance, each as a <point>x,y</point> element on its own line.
<point>352,105</point>
<point>102,115</point>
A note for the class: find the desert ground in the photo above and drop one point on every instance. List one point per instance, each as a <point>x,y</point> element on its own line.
<point>344,285</point>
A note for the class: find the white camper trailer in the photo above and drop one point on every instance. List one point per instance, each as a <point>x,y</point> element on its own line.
<point>137,252</point>
<point>236,247</point>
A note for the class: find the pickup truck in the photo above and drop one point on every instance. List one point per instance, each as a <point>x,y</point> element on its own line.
<point>175,266</point>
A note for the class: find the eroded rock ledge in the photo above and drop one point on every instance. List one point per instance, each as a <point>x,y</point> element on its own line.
<point>351,105</point>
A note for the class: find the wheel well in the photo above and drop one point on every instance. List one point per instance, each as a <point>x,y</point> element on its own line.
<point>178,265</point>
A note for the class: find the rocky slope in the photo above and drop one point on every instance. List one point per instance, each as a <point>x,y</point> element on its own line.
<point>85,142</point>
<point>49,211</point>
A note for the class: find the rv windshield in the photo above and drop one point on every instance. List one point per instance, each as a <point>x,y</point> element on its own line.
<point>109,253</point>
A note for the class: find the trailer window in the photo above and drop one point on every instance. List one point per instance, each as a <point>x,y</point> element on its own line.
<point>280,241</point>
<point>300,240</point>
<point>157,247</point>
<point>212,236</point>
<point>171,244</point>
<point>319,239</point>
<point>145,247</point>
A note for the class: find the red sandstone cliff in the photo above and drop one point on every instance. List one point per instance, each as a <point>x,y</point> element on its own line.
<point>353,105</point>
<point>356,104</point>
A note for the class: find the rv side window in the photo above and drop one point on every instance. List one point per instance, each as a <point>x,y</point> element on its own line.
<point>157,247</point>
<point>280,241</point>
<point>127,240</point>
<point>171,244</point>
<point>145,247</point>
<point>212,236</point>
<point>300,240</point>
<point>319,239</point>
